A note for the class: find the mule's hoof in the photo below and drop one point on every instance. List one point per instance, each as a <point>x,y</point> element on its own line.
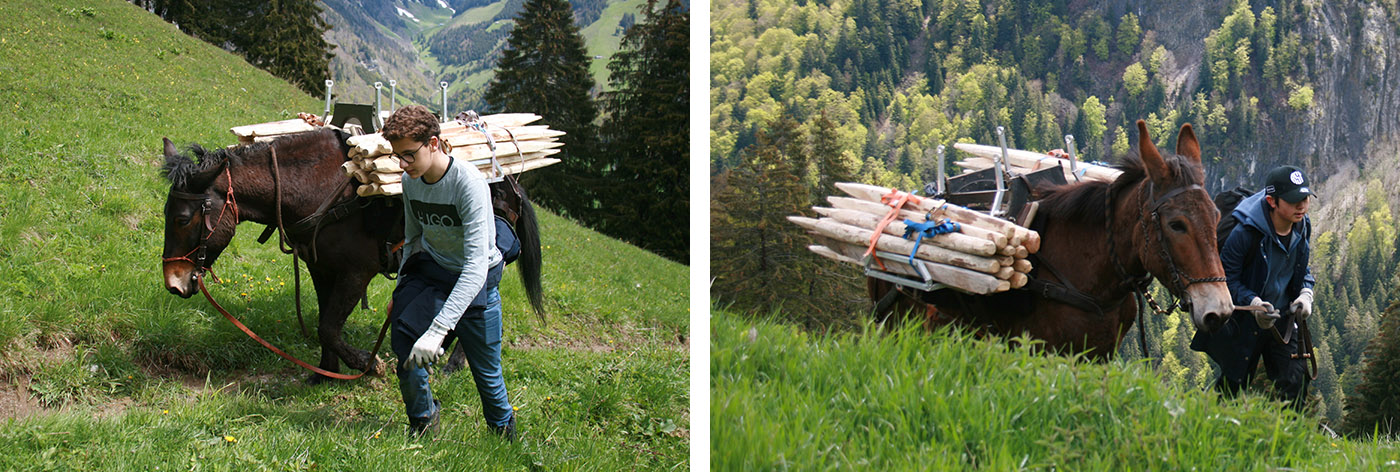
<point>376,367</point>
<point>318,379</point>
<point>453,365</point>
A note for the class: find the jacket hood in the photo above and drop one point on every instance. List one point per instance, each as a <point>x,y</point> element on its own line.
<point>1250,212</point>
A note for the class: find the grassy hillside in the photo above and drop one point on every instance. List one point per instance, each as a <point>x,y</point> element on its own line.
<point>101,368</point>
<point>909,400</point>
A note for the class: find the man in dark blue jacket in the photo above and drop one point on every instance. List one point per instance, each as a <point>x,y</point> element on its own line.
<point>1266,265</point>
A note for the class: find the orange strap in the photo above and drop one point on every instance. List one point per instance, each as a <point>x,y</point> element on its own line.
<point>382,330</point>
<point>895,200</point>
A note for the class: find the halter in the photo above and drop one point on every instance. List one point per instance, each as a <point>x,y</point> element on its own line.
<point>1139,283</point>
<point>209,226</point>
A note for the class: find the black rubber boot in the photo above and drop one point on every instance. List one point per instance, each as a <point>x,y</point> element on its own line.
<point>507,431</point>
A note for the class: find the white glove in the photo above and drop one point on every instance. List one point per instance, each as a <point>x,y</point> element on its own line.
<point>1265,319</point>
<point>429,346</point>
<point>1302,306</point>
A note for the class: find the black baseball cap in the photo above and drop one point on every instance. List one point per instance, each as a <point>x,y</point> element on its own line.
<point>1288,183</point>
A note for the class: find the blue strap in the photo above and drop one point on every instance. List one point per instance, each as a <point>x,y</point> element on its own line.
<point>929,229</point>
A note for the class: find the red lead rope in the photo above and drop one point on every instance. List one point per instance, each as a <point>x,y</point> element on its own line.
<point>382,330</point>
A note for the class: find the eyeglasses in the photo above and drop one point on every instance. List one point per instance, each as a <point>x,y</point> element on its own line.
<point>408,157</point>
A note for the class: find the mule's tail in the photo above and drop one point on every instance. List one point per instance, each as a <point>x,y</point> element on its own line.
<point>531,262</point>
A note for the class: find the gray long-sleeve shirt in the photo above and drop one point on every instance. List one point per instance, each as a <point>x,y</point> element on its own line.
<point>452,221</point>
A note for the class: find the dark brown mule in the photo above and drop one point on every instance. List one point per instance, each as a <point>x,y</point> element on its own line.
<point>1105,241</point>
<point>212,193</point>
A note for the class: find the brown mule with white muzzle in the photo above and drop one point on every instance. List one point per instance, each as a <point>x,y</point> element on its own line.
<point>1101,243</point>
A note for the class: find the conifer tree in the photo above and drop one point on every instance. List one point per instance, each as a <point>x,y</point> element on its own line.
<point>647,133</point>
<point>1375,405</point>
<point>544,70</point>
<point>285,38</point>
<point>759,260</point>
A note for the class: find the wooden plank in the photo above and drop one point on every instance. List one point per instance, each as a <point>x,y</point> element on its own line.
<point>468,137</point>
<point>1034,160</point>
<point>504,120</point>
<point>516,159</point>
<point>523,167</point>
<point>830,254</point>
<point>503,150</point>
<point>295,125</point>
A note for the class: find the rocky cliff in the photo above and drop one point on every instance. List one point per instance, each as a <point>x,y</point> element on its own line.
<point>1349,55</point>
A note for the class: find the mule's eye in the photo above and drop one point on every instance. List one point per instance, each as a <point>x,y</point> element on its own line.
<point>1177,226</point>
<point>183,221</point>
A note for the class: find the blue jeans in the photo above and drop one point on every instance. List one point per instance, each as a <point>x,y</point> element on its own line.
<point>479,330</point>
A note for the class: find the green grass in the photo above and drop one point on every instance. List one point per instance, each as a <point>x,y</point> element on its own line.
<point>479,14</point>
<point>908,400</point>
<point>603,37</point>
<point>118,374</point>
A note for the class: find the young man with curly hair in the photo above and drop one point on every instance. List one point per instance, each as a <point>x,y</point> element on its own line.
<point>451,268</point>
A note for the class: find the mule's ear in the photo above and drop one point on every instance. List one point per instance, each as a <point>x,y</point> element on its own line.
<point>1187,145</point>
<point>170,148</point>
<point>1151,159</point>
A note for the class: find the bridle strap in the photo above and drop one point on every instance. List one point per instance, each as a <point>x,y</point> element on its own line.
<point>1177,274</point>
<point>202,248</point>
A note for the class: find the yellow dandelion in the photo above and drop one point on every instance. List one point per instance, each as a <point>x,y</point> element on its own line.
<point>376,435</point>
<point>269,279</point>
<point>230,439</point>
<point>244,294</point>
<point>164,412</point>
<point>281,284</point>
<point>514,408</point>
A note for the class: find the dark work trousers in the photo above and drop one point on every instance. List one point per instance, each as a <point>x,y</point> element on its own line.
<point>1238,347</point>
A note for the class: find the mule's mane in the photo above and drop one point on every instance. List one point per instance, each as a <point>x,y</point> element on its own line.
<point>188,171</point>
<point>1086,201</point>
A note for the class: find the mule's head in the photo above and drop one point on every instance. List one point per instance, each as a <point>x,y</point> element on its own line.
<point>198,222</point>
<point>1178,227</point>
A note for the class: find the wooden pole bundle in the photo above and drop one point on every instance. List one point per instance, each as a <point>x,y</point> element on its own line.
<point>955,272</point>
<point>941,209</point>
<point>987,255</point>
<point>372,165</point>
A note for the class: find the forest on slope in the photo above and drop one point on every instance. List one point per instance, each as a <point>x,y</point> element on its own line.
<point>807,92</point>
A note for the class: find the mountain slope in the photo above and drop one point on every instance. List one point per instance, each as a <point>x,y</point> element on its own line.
<point>97,353</point>
<point>422,43</point>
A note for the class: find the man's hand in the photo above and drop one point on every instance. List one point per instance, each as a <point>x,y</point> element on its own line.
<point>1302,306</point>
<point>429,346</point>
<point>1265,318</point>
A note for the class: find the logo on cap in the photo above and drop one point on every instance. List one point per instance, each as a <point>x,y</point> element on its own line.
<point>1296,177</point>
